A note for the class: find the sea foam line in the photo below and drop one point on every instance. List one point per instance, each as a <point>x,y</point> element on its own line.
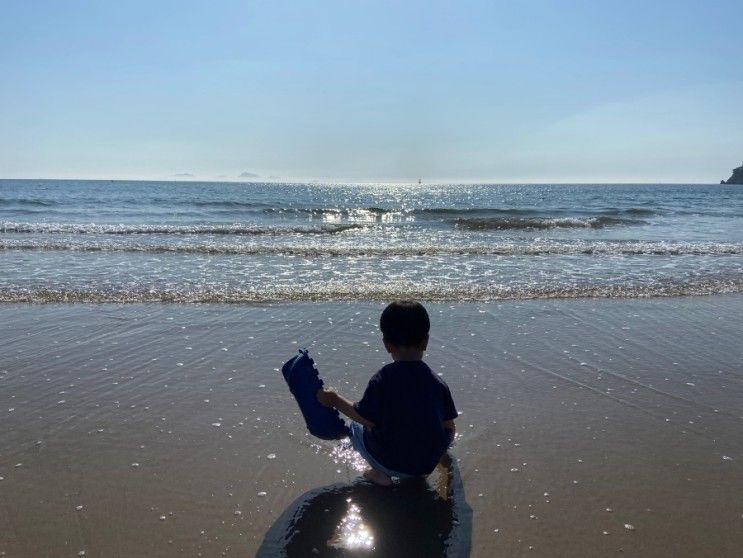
<point>535,248</point>
<point>333,292</point>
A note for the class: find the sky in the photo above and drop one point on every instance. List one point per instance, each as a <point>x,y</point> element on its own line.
<point>362,91</point>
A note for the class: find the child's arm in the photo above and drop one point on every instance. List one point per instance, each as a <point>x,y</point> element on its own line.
<point>329,398</point>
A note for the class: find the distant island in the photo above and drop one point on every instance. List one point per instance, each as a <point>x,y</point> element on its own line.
<point>737,177</point>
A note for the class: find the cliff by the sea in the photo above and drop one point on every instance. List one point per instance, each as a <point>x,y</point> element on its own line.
<point>737,177</point>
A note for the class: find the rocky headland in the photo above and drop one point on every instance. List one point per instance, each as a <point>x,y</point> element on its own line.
<point>736,178</point>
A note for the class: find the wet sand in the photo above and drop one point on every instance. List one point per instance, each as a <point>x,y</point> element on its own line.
<point>167,430</point>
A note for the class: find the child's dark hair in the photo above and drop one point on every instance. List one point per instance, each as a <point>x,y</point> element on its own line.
<point>405,323</point>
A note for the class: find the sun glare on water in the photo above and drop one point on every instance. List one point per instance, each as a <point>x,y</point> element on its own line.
<point>352,533</point>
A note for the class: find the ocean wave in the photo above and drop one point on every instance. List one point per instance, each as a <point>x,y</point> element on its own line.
<point>476,218</point>
<point>539,223</point>
<point>447,211</point>
<point>32,202</point>
<point>637,211</point>
<point>355,214</point>
<point>381,212</point>
<point>225,204</point>
<point>328,292</point>
<point>135,229</point>
<point>481,213</point>
<point>539,248</point>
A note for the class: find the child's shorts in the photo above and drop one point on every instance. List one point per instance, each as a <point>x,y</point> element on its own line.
<point>357,441</point>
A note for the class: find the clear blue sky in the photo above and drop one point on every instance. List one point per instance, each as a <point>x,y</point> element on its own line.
<point>532,91</point>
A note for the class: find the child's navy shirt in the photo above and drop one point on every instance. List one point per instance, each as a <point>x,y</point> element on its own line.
<point>408,405</point>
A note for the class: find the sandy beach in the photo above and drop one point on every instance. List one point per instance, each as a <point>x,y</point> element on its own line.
<point>587,428</point>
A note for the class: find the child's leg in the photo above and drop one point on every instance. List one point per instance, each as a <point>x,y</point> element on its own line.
<point>377,477</point>
<point>373,474</point>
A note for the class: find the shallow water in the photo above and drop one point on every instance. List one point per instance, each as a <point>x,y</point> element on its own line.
<point>172,427</point>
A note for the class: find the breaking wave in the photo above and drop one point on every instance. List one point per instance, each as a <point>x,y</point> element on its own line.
<point>538,223</point>
<point>134,229</point>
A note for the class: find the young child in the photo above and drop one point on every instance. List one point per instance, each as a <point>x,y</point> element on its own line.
<point>404,423</point>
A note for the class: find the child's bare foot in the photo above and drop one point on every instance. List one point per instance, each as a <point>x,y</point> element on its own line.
<point>377,477</point>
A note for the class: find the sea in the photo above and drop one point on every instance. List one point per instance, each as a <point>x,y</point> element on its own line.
<point>191,242</point>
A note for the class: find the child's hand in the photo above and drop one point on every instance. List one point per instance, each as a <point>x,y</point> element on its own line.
<point>327,397</point>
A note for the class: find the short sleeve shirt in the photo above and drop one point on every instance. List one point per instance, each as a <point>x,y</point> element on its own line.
<point>408,405</point>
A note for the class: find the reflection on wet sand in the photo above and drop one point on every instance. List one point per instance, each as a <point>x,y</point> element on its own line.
<point>428,515</point>
<point>352,533</point>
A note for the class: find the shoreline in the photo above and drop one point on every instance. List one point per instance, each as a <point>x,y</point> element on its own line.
<point>309,295</point>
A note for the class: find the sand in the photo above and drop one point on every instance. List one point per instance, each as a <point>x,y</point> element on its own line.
<point>587,427</point>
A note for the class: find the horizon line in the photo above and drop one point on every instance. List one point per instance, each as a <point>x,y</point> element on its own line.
<point>437,182</point>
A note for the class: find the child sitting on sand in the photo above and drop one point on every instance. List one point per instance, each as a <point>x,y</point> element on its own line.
<point>404,423</point>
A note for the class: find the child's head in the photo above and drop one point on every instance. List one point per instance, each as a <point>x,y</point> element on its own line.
<point>405,324</point>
